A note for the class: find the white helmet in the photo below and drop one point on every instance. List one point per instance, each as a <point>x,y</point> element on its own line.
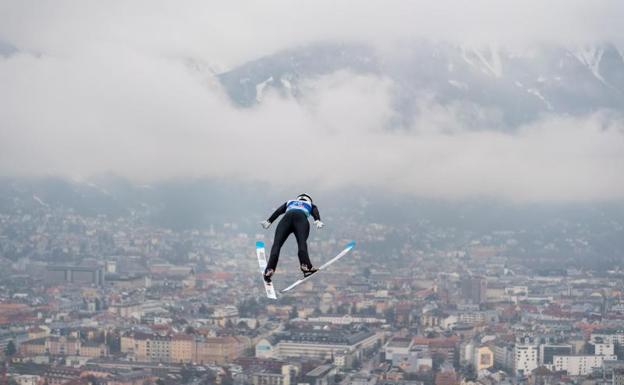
<point>304,197</point>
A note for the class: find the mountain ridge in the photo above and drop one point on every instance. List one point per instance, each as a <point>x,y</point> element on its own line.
<point>521,85</point>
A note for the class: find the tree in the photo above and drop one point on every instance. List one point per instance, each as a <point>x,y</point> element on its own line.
<point>10,349</point>
<point>438,359</point>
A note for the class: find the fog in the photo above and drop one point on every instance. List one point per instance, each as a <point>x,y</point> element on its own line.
<point>106,87</point>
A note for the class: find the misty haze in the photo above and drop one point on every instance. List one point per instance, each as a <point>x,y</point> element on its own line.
<point>446,178</point>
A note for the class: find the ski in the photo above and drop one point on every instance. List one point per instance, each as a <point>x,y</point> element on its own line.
<point>262,262</point>
<point>348,248</point>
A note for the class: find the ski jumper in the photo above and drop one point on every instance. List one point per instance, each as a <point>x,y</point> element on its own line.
<point>295,221</point>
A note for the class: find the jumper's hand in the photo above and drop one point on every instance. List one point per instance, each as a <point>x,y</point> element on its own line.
<point>265,224</point>
<point>319,224</point>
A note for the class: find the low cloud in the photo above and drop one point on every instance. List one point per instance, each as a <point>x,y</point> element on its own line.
<point>154,119</point>
<point>101,89</point>
<point>229,33</point>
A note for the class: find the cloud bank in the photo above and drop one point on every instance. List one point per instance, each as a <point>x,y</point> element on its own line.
<point>106,87</point>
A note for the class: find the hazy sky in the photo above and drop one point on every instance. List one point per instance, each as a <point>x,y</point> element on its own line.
<point>105,86</point>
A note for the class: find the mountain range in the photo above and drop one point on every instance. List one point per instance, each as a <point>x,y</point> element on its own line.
<point>513,86</point>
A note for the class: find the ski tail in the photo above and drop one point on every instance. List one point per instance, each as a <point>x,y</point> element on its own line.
<point>262,262</point>
<point>347,248</point>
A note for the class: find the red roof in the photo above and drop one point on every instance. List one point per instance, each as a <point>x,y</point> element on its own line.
<point>447,342</point>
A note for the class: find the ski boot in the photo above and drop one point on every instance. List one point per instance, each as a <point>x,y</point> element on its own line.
<point>268,273</point>
<point>308,270</point>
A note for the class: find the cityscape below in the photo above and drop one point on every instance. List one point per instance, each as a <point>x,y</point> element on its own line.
<point>104,299</point>
<point>311,192</point>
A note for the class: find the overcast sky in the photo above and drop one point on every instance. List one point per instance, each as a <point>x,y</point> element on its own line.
<point>105,86</point>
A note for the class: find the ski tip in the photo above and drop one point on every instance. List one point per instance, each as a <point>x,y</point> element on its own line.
<point>351,244</point>
<point>259,245</point>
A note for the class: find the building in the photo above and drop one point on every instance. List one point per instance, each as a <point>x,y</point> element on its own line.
<point>58,376</point>
<point>85,275</point>
<point>347,319</point>
<point>483,358</point>
<point>128,281</point>
<point>397,345</point>
<point>609,335</point>
<point>402,313</point>
<point>344,359</point>
<point>225,315</point>
<point>526,357</point>
<point>220,349</point>
<point>182,348</point>
<point>34,347</point>
<point>548,351</point>
<point>285,375</point>
<point>37,332</point>
<point>126,309</point>
<point>599,348</point>
<point>61,345</point>
<point>158,348</point>
<point>413,362</point>
<point>580,365</point>
<point>618,376</point>
<point>311,343</point>
<point>27,379</point>
<point>504,356</point>
<point>321,375</point>
<point>135,345</point>
<point>443,346</point>
<point>92,349</point>
<point>446,377</point>
<point>474,289</point>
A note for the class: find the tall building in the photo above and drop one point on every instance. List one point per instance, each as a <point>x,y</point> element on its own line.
<point>473,289</point>
<point>526,356</point>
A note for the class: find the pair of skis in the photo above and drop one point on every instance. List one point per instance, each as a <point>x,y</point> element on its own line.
<point>262,262</point>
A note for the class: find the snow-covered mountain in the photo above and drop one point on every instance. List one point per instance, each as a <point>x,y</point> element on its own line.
<point>515,86</point>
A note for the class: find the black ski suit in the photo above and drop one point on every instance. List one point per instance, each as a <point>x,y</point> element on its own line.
<point>294,221</point>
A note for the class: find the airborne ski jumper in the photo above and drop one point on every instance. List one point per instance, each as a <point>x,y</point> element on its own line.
<point>295,221</point>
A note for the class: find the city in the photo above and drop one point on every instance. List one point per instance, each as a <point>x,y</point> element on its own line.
<point>446,178</point>
<point>105,300</point>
